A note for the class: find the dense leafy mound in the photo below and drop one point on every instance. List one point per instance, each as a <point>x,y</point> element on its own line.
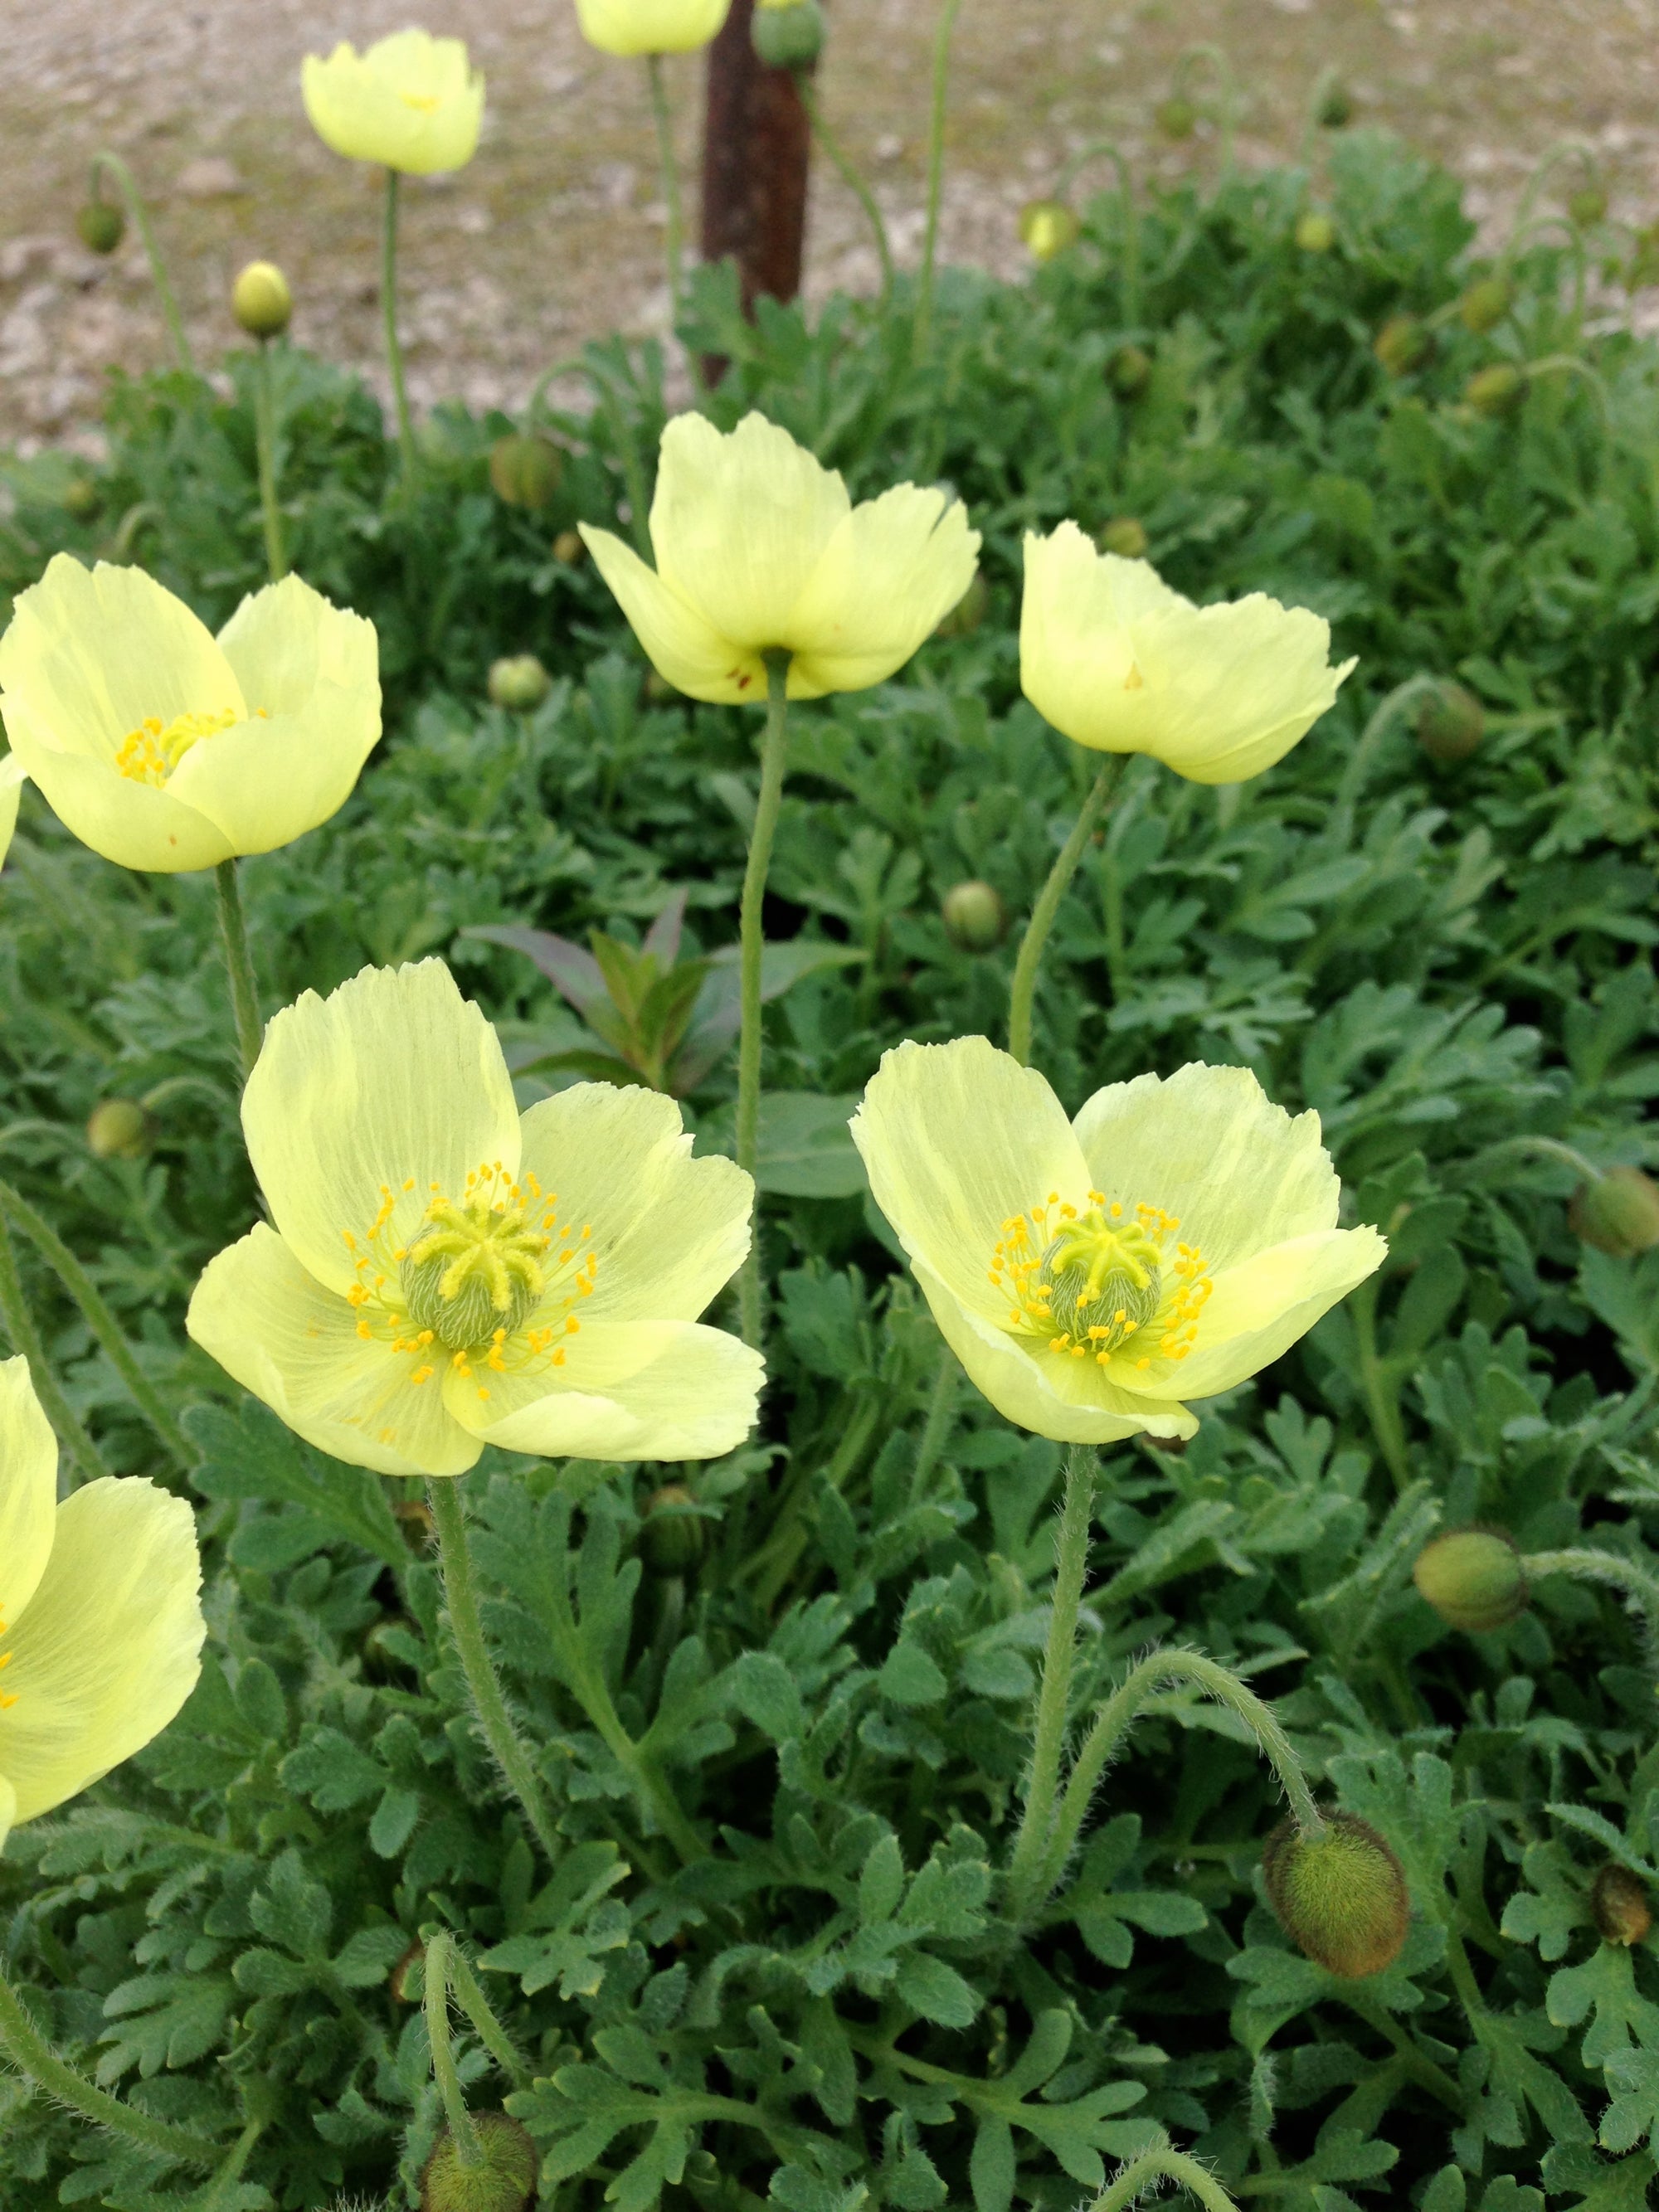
<point>832,1657</point>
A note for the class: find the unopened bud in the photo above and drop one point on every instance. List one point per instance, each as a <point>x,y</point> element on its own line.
<point>569,548</point>
<point>1176,118</point>
<point>1316,233</point>
<point>1495,392</point>
<point>120,1129</point>
<point>968,612</point>
<point>415,1517</point>
<point>396,1981</point>
<point>525,470</point>
<point>1451,723</point>
<point>261,302</point>
<point>975,916</point>
<point>1586,206</point>
<point>1128,370</point>
<point>1047,228</point>
<point>1340,1897</point>
<point>519,681</point>
<point>1402,344</point>
<point>1473,1579</point>
<point>1485,303</point>
<point>505,2182</point>
<point>1334,109</point>
<point>1620,1907</point>
<point>102,225</point>
<point>672,1540</point>
<point>788,34</point>
<point>82,498</point>
<point>1617,1213</point>
<point>1126,535</point>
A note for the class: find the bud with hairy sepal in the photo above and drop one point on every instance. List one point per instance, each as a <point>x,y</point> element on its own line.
<point>1316,233</point>
<point>568,551</point>
<point>1451,723</point>
<point>1403,343</point>
<point>1177,118</point>
<point>1334,111</point>
<point>101,226</point>
<point>975,916</point>
<point>787,36</point>
<point>1128,371</point>
<point>1495,392</point>
<point>505,2182</point>
<point>1485,303</point>
<point>120,1129</point>
<point>519,681</point>
<point>672,1540</point>
<point>261,302</point>
<point>1340,1897</point>
<point>1617,1213</point>
<point>525,470</point>
<point>1126,535</point>
<point>1047,227</point>
<point>1620,1906</point>
<point>1586,206</point>
<point>1473,1579</point>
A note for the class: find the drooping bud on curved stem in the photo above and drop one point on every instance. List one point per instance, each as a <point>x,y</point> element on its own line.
<point>1161,2161</point>
<point>1451,723</point>
<point>1586,1563</point>
<point>503,2180</point>
<point>1620,1906</point>
<point>1617,1212</point>
<point>111,164</point>
<point>1473,1579</point>
<point>1340,1896</point>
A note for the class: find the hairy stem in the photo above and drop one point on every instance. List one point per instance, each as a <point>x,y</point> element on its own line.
<point>238,964</point>
<point>675,239</point>
<point>1032,1845</point>
<point>33,2055</point>
<point>394,352</point>
<point>487,2024</point>
<point>947,24</point>
<point>469,2151</point>
<point>19,1324</point>
<point>773,750</point>
<point>1164,2163</point>
<point>1585,1564</point>
<point>941,1411</point>
<point>113,165</point>
<point>265,437</point>
<point>1023,991</point>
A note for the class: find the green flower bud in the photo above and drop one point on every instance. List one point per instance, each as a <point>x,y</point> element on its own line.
<point>1177,118</point>
<point>1495,392</point>
<point>1402,344</point>
<point>1617,1213</point>
<point>120,1129</point>
<point>1451,723</point>
<point>82,498</point>
<point>788,34</point>
<point>414,1516</point>
<point>396,1981</point>
<point>505,2182</point>
<point>524,471</point>
<point>1473,1579</point>
<point>968,612</point>
<point>568,549</point>
<point>1334,111</point>
<point>1316,233</point>
<point>1586,206</point>
<point>1340,1898</point>
<point>1126,535</point>
<point>672,1540</point>
<point>519,681</point>
<point>1047,228</point>
<point>1620,1907</point>
<point>261,302</point>
<point>975,916</point>
<point>1128,371</point>
<point>102,226</point>
<point>1485,303</point>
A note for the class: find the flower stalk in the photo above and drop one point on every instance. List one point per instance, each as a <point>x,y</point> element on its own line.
<point>1031,1846</point>
<point>394,351</point>
<point>114,167</point>
<point>1163,2162</point>
<point>1024,991</point>
<point>264,437</point>
<point>947,24</point>
<point>469,2151</point>
<point>774,752</point>
<point>238,964</point>
<point>19,1324</point>
<point>675,239</point>
<point>850,175</point>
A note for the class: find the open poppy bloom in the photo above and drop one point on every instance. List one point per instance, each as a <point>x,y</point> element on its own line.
<point>651,26</point>
<point>409,102</point>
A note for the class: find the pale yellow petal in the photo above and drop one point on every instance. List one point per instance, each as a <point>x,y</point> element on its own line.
<point>650,26</point>
<point>111,1645</point>
<point>668,1231</point>
<point>134,824</point>
<point>957,1138</point>
<point>394,1083</point>
<point>639,1390</point>
<point>740,521</point>
<point>12,777</point>
<point>410,102</point>
<point>8,1810</point>
<point>295,1346</point>
<point>28,1495</point>
<point>1266,1304</point>
<point>1208,1145</point>
<point>679,642</point>
<point>893,569</point>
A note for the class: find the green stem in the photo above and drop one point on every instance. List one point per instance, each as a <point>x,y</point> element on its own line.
<point>774,752</point>
<point>628,453</point>
<point>469,2151</point>
<point>482,2014</point>
<point>33,2055</point>
<point>394,352</point>
<point>947,24</point>
<point>1362,759</point>
<point>671,184</point>
<point>1544,1148</point>
<point>26,1340</point>
<point>850,176</point>
<point>1032,1845</point>
<point>1431,2077</point>
<point>239,960</point>
<point>941,1411</point>
<point>1164,2163</point>
<point>460,1593</point>
<point>1097,149</point>
<point>99,1319</point>
<point>127,186</point>
<point>264,436</point>
<point>1585,1564</point>
<point>218,2194</point>
<point>1024,991</point>
<point>1118,1716</point>
<point>1382,1399</point>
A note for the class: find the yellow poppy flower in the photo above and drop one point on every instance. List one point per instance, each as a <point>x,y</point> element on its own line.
<point>650,26</point>
<point>442,1274</point>
<point>1117,661</point>
<point>410,102</point>
<point>760,549</point>
<point>164,749</point>
<point>1092,1275</point>
<point>12,780</point>
<point>100,1618</point>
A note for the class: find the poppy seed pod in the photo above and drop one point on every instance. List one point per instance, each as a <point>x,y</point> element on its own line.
<point>1473,1579</point>
<point>1126,535</point>
<point>1340,1897</point>
<point>520,683</point>
<point>1620,1907</point>
<point>101,226</point>
<point>976,918</point>
<point>120,1129</point>
<point>525,470</point>
<point>788,35</point>
<point>1451,723</point>
<point>1047,228</point>
<point>1316,233</point>
<point>261,302</point>
<point>1485,303</point>
<point>505,2182</point>
<point>1402,344</point>
<point>672,1538</point>
<point>1128,371</point>
<point>1495,392</point>
<point>1617,1213</point>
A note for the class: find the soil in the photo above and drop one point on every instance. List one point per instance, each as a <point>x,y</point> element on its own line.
<point>555,232</point>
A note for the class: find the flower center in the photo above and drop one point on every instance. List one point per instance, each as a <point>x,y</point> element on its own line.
<point>476,1269</point>
<point>150,753</point>
<point>426,103</point>
<point>1106,1283</point>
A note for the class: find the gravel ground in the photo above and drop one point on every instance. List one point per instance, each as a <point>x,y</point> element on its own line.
<point>554,233</point>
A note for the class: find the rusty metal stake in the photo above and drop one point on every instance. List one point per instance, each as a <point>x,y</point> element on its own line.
<point>754,165</point>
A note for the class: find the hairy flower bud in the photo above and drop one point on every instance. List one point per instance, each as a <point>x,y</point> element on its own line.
<point>261,302</point>
<point>672,1540</point>
<point>1620,1907</point>
<point>120,1129</point>
<point>788,34</point>
<point>568,549</point>
<point>1340,1897</point>
<point>1128,371</point>
<point>1047,228</point>
<point>1126,535</point>
<point>1316,233</point>
<point>1402,344</point>
<point>83,496</point>
<point>1473,1579</point>
<point>968,612</point>
<point>1586,206</point>
<point>1495,392</point>
<point>505,2182</point>
<point>1333,109</point>
<point>519,681</point>
<point>102,225</point>
<point>525,470</point>
<point>976,918</point>
<point>1485,303</point>
<point>1617,1213</point>
<point>1176,118</point>
<point>1451,723</point>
